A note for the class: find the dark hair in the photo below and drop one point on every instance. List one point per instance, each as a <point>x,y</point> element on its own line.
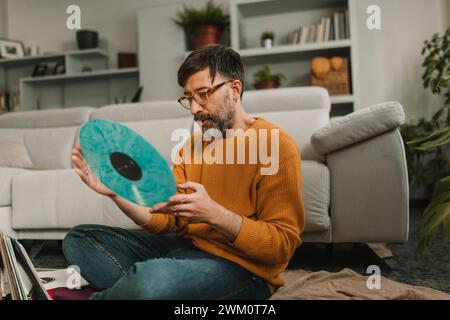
<point>220,60</point>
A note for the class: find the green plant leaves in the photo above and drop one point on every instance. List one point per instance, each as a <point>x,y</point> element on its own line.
<point>212,14</point>
<point>436,63</point>
<point>264,74</point>
<point>436,214</point>
<point>438,138</point>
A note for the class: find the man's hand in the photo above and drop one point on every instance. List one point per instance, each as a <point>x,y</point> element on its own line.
<point>86,175</point>
<point>198,207</point>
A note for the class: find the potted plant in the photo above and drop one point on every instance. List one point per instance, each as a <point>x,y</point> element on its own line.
<point>264,79</point>
<point>267,39</point>
<point>436,77</point>
<point>204,25</point>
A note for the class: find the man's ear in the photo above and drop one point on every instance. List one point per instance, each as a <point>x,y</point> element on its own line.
<point>237,89</point>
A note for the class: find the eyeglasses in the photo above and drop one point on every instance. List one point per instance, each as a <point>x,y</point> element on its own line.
<point>201,97</point>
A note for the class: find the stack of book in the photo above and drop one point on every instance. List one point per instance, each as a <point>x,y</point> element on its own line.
<point>336,27</point>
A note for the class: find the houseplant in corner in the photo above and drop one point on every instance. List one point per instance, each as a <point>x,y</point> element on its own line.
<point>203,25</point>
<point>264,79</point>
<point>436,77</point>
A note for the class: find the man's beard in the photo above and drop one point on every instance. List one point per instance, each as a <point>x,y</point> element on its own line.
<point>222,120</point>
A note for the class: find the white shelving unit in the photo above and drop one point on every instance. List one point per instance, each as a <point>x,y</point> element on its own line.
<point>76,87</point>
<point>250,18</point>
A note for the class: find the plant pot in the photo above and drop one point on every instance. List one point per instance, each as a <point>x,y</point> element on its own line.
<point>267,43</point>
<point>87,39</point>
<point>266,85</point>
<point>205,34</point>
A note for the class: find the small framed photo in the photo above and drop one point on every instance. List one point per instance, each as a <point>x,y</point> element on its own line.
<point>11,48</point>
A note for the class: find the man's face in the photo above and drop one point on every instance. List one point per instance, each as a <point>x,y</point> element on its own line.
<point>218,113</point>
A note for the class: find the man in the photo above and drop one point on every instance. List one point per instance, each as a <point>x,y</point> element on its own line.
<point>227,233</point>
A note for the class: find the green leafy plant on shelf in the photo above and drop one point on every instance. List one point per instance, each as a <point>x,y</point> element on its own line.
<point>265,79</point>
<point>436,77</point>
<point>204,25</point>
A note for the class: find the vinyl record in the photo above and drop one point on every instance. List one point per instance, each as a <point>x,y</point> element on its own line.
<point>126,163</point>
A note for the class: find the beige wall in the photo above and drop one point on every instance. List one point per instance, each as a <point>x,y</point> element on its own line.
<point>3,20</point>
<point>390,59</point>
<point>44,21</point>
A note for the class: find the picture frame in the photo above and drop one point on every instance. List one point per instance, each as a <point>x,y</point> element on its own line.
<point>10,49</point>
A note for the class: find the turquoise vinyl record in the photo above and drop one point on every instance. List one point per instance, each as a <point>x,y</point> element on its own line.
<point>126,163</point>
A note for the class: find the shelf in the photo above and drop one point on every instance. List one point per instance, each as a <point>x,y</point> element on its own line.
<point>284,49</point>
<point>30,60</point>
<point>341,99</point>
<point>51,57</point>
<point>84,75</point>
<point>258,8</point>
<point>97,52</point>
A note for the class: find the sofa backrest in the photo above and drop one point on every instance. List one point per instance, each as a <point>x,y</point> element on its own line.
<point>49,134</point>
<point>51,118</point>
<point>299,111</point>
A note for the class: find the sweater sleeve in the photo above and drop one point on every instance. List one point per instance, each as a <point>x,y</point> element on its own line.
<point>162,223</point>
<point>275,232</point>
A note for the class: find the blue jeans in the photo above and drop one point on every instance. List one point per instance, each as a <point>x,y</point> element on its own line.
<point>135,264</point>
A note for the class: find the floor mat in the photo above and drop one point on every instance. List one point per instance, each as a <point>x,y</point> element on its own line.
<point>349,285</point>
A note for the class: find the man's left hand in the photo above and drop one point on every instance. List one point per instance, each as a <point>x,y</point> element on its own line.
<point>195,207</point>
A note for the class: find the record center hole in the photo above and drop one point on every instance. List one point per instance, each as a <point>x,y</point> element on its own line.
<point>125,166</point>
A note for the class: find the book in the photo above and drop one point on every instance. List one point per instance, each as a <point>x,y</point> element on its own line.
<point>327,29</point>
<point>342,25</point>
<point>347,24</point>
<point>336,25</point>
<point>304,35</point>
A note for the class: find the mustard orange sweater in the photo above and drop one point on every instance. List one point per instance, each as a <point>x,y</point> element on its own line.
<point>271,207</point>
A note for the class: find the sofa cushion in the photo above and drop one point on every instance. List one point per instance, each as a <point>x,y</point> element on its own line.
<point>13,153</point>
<point>6,176</point>
<point>46,118</point>
<point>63,201</point>
<point>316,195</point>
<point>49,148</point>
<point>358,126</point>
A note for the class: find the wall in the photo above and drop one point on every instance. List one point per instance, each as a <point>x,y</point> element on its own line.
<point>44,21</point>
<point>3,20</point>
<point>390,59</point>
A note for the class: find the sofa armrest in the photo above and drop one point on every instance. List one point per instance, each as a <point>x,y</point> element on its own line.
<point>369,192</point>
<point>358,126</point>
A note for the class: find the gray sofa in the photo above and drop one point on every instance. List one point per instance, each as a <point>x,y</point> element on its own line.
<point>355,186</point>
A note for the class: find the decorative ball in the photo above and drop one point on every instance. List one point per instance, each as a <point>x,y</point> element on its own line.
<point>336,63</point>
<point>320,66</point>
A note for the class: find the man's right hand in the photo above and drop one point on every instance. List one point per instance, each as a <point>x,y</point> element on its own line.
<point>86,175</point>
